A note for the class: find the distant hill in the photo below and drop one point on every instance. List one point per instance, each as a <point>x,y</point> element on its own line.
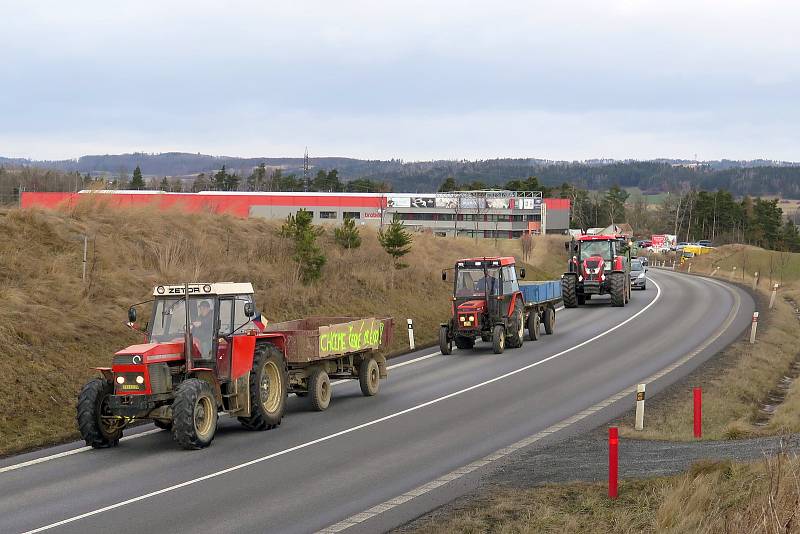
<point>756,177</point>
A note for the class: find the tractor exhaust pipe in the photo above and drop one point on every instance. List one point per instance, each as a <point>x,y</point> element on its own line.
<point>187,335</point>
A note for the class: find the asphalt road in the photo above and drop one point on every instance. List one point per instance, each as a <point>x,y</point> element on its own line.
<point>431,417</point>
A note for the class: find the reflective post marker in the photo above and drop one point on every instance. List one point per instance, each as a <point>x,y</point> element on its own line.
<point>755,280</point>
<point>754,327</point>
<point>689,269</point>
<point>772,298</point>
<point>698,413</point>
<point>733,273</point>
<point>410,334</point>
<point>714,271</point>
<point>640,407</point>
<point>613,457</point>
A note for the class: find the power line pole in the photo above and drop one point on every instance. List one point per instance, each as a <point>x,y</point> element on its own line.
<point>306,168</point>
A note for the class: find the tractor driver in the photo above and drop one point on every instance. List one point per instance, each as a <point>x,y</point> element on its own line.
<point>489,283</point>
<point>202,328</point>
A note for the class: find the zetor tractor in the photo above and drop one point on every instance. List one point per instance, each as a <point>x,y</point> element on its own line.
<point>487,304</point>
<point>599,265</point>
<point>203,353</point>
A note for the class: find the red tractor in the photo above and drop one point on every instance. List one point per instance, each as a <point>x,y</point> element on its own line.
<point>487,304</point>
<point>598,265</point>
<point>206,351</point>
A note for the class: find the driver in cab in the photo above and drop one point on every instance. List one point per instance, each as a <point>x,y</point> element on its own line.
<point>202,327</point>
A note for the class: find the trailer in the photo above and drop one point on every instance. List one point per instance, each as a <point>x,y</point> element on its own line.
<point>540,301</point>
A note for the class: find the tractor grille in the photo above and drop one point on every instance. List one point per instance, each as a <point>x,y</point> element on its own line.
<point>124,359</point>
<point>160,378</point>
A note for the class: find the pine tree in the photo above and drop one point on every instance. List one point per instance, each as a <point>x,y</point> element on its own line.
<point>307,254</point>
<point>396,241</point>
<point>347,235</point>
<point>137,182</point>
<point>448,185</point>
<point>164,184</point>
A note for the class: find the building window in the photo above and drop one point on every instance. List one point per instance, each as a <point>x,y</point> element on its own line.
<point>327,215</point>
<point>351,215</point>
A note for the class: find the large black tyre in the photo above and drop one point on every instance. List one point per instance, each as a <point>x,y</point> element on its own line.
<point>464,342</point>
<point>92,404</point>
<point>534,327</point>
<point>194,414</point>
<point>549,320</point>
<point>569,291</point>
<point>163,425</point>
<point>369,377</point>
<point>319,390</point>
<point>268,389</point>
<point>499,339</point>
<point>516,334</point>
<point>445,343</point>
<point>617,287</point>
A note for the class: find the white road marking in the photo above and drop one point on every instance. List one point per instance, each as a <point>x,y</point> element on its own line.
<point>525,442</point>
<point>153,431</point>
<point>347,430</point>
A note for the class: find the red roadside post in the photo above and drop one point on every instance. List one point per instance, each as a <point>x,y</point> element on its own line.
<point>698,413</point>
<point>613,445</point>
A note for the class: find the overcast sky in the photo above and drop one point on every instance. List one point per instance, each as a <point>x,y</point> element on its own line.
<point>411,79</point>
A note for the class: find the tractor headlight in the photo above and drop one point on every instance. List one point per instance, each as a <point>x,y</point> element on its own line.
<point>120,379</point>
<point>471,317</point>
<point>140,379</point>
<point>462,318</point>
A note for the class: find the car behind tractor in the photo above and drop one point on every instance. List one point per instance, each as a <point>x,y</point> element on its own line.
<point>206,351</point>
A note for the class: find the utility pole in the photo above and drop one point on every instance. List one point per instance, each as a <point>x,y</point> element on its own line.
<point>306,168</point>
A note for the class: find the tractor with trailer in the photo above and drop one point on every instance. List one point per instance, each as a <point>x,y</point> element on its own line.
<point>206,351</point>
<point>598,265</point>
<point>491,304</point>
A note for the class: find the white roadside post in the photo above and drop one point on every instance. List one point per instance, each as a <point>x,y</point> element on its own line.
<point>714,271</point>
<point>85,247</point>
<point>755,280</point>
<point>410,334</point>
<point>772,297</point>
<point>733,273</point>
<point>640,407</point>
<point>689,269</point>
<point>754,327</point>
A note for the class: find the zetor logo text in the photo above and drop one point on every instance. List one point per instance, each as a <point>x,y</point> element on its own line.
<point>179,290</point>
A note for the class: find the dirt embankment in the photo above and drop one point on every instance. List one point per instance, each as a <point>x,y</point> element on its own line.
<point>54,327</point>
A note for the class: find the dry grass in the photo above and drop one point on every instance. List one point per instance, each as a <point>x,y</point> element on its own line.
<point>713,497</point>
<point>54,328</point>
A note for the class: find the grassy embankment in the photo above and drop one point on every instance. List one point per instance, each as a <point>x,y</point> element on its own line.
<point>54,328</point>
<point>712,496</point>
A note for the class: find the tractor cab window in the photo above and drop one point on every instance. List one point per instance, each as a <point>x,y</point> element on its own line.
<point>596,248</point>
<point>239,317</point>
<point>475,282</point>
<point>225,317</point>
<point>510,284</point>
<point>169,322</point>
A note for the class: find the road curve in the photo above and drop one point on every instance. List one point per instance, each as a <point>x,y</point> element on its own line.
<point>433,415</point>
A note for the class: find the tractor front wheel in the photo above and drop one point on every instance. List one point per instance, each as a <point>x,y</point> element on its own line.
<point>267,388</point>
<point>617,283</point>
<point>95,421</point>
<point>499,339</point>
<point>569,291</point>
<point>194,414</point>
<point>369,377</point>
<point>445,343</point>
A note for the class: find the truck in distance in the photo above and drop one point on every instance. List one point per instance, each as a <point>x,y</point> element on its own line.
<point>206,351</point>
<point>489,303</point>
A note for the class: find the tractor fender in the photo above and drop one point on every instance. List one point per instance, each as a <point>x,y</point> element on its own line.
<point>207,375</point>
<point>107,373</point>
<point>514,303</point>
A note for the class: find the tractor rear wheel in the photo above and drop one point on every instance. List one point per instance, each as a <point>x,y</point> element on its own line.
<point>445,343</point>
<point>499,339</point>
<point>319,390</point>
<point>569,291</point>
<point>516,336</point>
<point>97,430</point>
<point>549,320</point>
<point>463,342</point>
<point>617,287</point>
<point>267,388</point>
<point>194,414</point>
<point>534,325</point>
<point>369,377</point>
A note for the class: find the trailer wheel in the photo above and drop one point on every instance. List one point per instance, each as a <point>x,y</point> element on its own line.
<point>617,283</point>
<point>534,325</point>
<point>499,339</point>
<point>267,388</point>
<point>464,342</point>
<point>549,320</point>
<point>369,377</point>
<point>445,343</point>
<point>517,334</point>
<point>569,291</point>
<point>319,389</point>
<point>92,408</point>
<point>194,414</point>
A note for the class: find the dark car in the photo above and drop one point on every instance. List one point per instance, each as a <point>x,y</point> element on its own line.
<point>638,278</point>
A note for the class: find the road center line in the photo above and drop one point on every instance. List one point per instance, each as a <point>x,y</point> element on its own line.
<point>347,430</point>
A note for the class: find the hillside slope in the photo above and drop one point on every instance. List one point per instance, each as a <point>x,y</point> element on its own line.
<point>54,327</point>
